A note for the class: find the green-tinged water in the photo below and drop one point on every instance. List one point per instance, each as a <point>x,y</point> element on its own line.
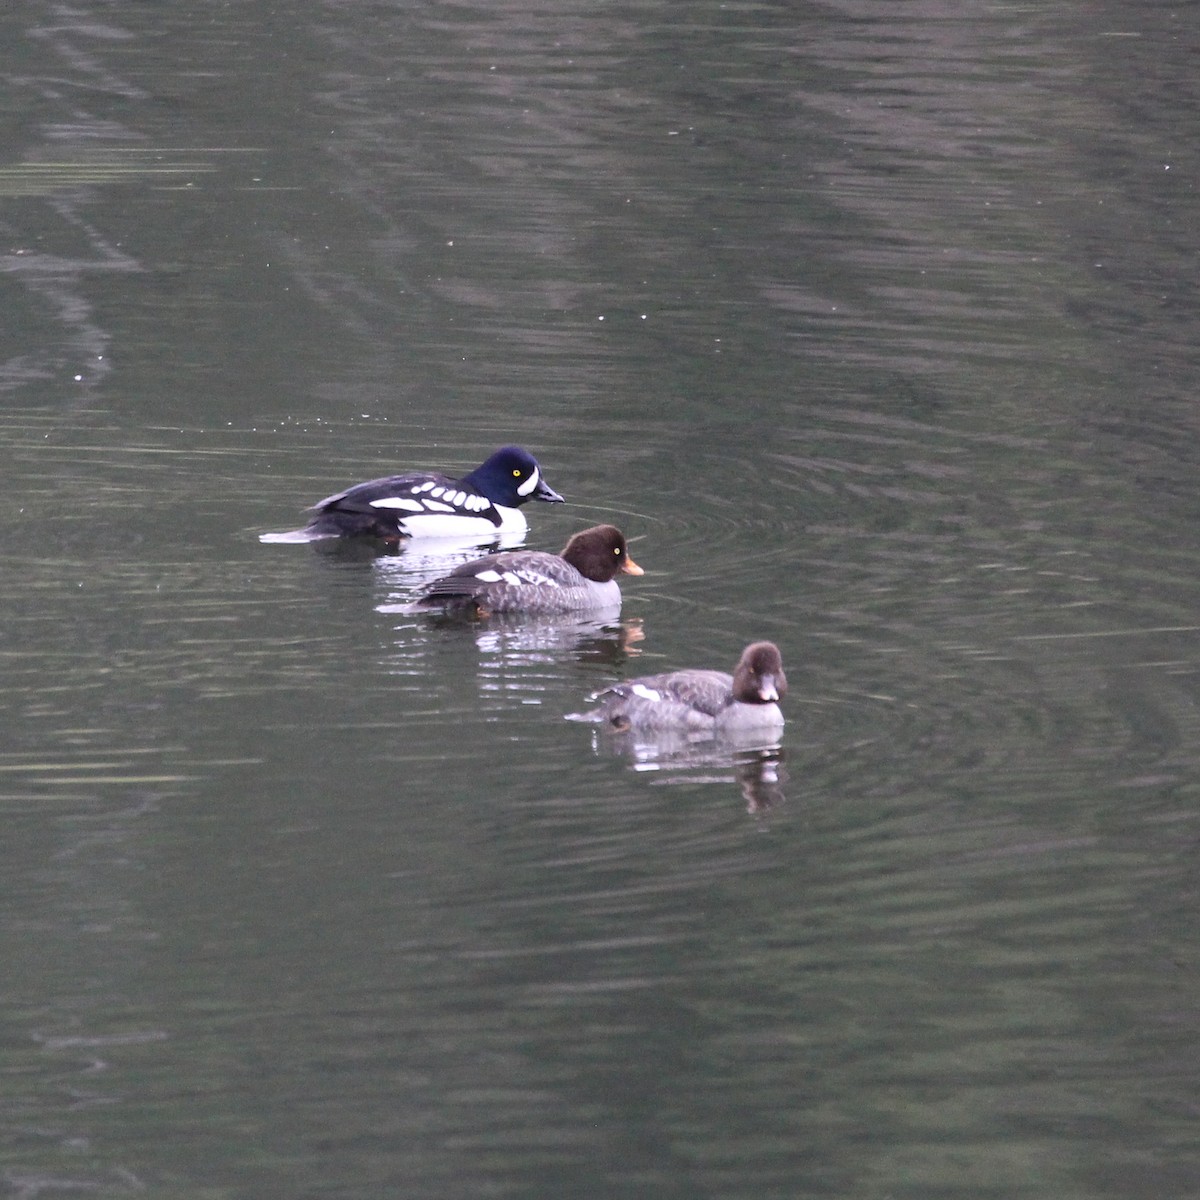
<point>874,326</point>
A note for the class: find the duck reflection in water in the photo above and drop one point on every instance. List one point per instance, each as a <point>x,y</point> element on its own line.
<point>515,658</point>
<point>676,758</point>
<point>404,569</point>
<point>514,641</point>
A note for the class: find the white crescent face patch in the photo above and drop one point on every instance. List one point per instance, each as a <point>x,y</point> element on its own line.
<point>526,488</point>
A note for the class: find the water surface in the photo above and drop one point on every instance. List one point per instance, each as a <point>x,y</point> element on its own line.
<point>874,326</point>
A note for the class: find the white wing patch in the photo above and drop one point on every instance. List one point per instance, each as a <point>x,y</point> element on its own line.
<point>448,502</point>
<point>527,487</point>
<point>534,578</point>
<point>399,502</point>
<point>491,575</point>
<point>646,693</point>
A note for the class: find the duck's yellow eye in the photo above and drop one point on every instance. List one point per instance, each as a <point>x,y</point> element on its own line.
<point>617,551</point>
<point>517,474</point>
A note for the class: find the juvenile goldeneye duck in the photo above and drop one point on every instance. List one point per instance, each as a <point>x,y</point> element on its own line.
<point>699,700</point>
<point>428,504</point>
<point>581,578</point>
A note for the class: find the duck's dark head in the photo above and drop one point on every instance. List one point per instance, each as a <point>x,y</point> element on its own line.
<point>600,554</point>
<point>758,677</point>
<point>510,477</point>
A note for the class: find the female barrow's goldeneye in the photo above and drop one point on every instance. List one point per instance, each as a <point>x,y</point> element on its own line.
<point>699,700</point>
<point>428,504</point>
<point>581,578</point>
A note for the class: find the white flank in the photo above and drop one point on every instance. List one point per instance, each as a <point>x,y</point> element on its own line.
<point>403,502</point>
<point>640,689</point>
<point>527,487</point>
<point>446,523</point>
<point>511,520</point>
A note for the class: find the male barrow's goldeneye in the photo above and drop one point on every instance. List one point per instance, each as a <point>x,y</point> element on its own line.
<point>428,504</point>
<point>699,700</point>
<point>580,579</point>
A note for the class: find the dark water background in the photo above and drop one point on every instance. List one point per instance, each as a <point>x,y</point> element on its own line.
<point>876,325</point>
